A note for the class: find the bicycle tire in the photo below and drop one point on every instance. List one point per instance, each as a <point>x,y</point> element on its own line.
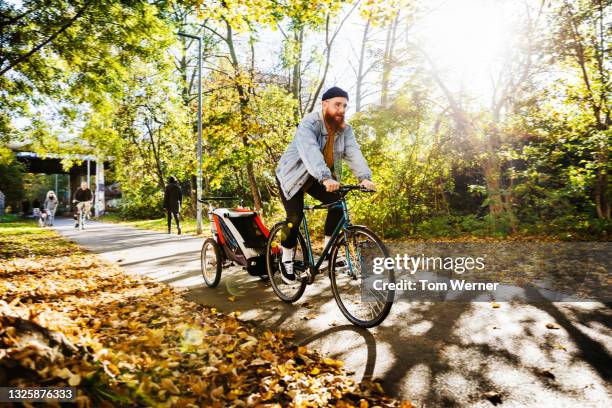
<point>270,265</point>
<point>384,312</point>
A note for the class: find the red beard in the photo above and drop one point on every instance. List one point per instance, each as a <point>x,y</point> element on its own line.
<point>336,123</point>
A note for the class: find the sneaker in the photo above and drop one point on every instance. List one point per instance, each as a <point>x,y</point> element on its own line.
<point>76,225</point>
<point>287,272</point>
<point>179,230</point>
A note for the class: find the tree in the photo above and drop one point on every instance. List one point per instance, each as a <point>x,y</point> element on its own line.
<point>147,132</point>
<point>11,182</point>
<point>581,44</point>
<point>68,54</point>
<point>482,129</point>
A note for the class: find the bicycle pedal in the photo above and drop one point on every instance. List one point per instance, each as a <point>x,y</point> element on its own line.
<point>306,276</point>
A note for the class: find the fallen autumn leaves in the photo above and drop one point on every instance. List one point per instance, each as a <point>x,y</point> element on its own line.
<point>70,318</point>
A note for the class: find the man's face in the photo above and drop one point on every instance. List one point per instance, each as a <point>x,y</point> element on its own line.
<point>83,185</point>
<point>334,110</point>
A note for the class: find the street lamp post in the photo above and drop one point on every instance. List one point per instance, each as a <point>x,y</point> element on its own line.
<point>199,180</point>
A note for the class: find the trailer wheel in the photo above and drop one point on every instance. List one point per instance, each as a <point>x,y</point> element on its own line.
<point>211,262</point>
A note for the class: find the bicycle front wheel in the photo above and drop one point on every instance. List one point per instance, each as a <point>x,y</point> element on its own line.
<point>352,277</point>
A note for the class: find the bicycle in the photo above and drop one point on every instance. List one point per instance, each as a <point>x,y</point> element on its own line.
<point>83,210</point>
<point>361,247</point>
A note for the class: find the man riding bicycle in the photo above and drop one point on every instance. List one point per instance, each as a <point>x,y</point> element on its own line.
<point>83,199</point>
<point>322,139</point>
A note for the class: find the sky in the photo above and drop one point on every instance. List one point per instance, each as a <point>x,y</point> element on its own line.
<point>467,40</point>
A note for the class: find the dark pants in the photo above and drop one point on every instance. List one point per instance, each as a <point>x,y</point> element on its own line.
<point>295,210</point>
<point>176,219</point>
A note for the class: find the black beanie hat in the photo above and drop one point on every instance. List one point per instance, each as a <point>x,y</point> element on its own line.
<point>333,92</point>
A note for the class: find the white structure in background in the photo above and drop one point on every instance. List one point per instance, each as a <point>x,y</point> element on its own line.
<point>99,203</point>
<point>1,203</point>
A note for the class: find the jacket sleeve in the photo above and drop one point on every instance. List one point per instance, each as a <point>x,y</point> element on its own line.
<point>180,195</point>
<point>166,197</point>
<point>308,148</point>
<point>354,158</point>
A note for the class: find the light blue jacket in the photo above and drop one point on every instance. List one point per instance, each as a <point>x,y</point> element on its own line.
<point>304,156</point>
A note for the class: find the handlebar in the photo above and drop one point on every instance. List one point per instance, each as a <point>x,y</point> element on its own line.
<point>352,187</point>
<point>343,190</point>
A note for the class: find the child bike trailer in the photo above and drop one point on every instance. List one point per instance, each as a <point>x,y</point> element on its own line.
<point>239,237</point>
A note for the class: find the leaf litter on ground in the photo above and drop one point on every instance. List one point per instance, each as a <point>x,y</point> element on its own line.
<point>68,318</point>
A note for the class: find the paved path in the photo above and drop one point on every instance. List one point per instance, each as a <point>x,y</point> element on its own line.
<point>434,354</point>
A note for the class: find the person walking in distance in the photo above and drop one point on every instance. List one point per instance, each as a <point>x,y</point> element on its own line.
<point>50,206</point>
<point>173,197</point>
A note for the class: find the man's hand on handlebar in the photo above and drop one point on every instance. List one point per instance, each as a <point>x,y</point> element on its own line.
<point>367,184</point>
<point>331,185</point>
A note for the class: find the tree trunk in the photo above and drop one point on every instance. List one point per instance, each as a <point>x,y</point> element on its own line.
<point>244,101</point>
<point>602,199</point>
<point>329,41</point>
<point>360,71</point>
<point>328,45</point>
<point>296,79</point>
<point>254,189</point>
<point>599,105</point>
<point>388,60</point>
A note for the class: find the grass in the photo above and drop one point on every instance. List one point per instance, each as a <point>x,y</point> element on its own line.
<point>188,225</point>
<point>10,218</point>
<point>23,238</point>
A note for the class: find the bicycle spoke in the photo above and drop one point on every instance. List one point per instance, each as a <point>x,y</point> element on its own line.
<point>286,285</point>
<point>363,305</point>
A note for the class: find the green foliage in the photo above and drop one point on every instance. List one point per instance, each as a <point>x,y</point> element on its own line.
<point>258,138</point>
<point>70,52</point>
<point>11,183</point>
<point>449,226</point>
<point>411,174</point>
<point>122,85</point>
<point>140,200</point>
<point>9,218</point>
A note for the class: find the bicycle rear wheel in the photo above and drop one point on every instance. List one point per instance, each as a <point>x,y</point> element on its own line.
<point>287,290</point>
<point>352,284</point>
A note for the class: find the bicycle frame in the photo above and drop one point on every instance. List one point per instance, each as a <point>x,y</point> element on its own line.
<point>82,217</point>
<point>83,212</point>
<point>342,225</point>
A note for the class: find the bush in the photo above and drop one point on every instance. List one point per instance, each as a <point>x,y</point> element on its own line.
<point>145,201</point>
<point>574,227</point>
<point>458,225</point>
